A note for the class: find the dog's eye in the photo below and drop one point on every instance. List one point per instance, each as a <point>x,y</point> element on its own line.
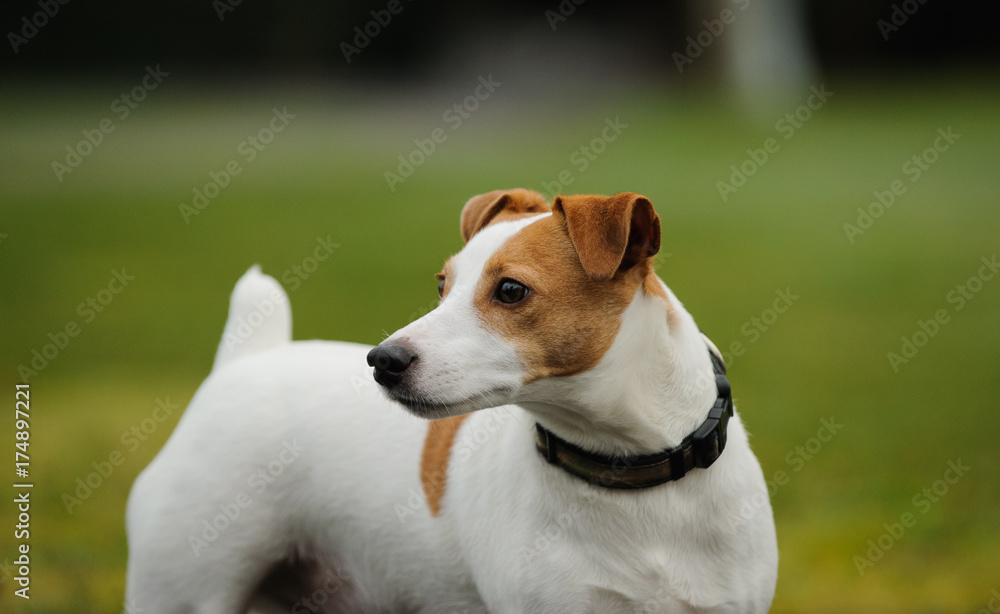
<point>510,291</point>
<point>441,286</point>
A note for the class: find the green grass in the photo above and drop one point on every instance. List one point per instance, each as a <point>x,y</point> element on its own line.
<point>825,357</point>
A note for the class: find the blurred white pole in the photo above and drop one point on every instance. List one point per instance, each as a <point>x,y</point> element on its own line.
<point>767,58</point>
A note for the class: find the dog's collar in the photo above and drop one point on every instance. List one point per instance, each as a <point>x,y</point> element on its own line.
<point>699,449</point>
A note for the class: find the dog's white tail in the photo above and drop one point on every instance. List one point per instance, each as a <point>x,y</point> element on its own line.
<point>260,317</point>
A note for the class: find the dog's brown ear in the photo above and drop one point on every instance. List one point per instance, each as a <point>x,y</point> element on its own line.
<point>610,233</point>
<point>499,205</point>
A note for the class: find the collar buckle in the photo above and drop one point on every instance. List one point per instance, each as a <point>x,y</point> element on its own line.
<point>543,442</point>
<point>710,439</point>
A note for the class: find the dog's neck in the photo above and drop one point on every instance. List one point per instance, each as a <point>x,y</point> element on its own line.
<point>653,388</point>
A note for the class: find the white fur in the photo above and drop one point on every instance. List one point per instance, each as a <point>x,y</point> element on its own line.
<point>259,317</point>
<point>464,367</point>
<point>515,534</point>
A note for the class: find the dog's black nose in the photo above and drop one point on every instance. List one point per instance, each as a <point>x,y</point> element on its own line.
<point>390,361</point>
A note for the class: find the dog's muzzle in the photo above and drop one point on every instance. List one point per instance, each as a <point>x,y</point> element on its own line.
<point>390,362</point>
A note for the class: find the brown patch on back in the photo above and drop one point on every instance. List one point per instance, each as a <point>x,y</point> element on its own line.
<point>434,461</point>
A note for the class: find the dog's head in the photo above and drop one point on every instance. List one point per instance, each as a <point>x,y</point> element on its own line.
<point>538,292</point>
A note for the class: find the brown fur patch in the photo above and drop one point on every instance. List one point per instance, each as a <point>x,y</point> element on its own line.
<point>652,287</point>
<point>569,319</point>
<point>610,233</point>
<point>434,461</point>
<point>499,206</point>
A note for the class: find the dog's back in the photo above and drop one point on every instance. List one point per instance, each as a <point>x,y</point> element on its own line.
<point>287,452</point>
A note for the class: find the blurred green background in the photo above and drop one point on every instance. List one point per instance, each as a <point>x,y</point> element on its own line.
<point>838,498</point>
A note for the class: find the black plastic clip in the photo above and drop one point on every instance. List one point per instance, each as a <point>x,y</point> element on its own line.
<point>545,443</point>
<point>710,439</point>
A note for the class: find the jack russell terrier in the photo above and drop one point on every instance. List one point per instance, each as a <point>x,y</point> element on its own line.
<point>576,447</point>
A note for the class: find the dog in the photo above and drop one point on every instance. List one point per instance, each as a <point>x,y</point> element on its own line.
<point>557,436</point>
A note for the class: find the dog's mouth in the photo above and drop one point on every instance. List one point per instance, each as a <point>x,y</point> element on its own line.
<point>431,408</point>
